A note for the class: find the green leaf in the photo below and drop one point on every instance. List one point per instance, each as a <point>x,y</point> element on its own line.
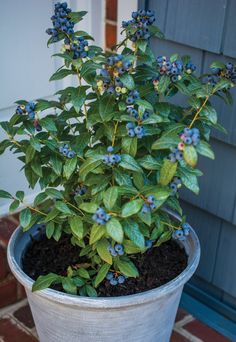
<point>127,268</point>
<point>102,249</point>
<point>101,274</point>
<point>115,230</point>
<point>128,81</point>
<point>56,164</point>
<point>190,155</point>
<point>96,233</point>
<point>88,166</point>
<point>62,207</point>
<point>110,197</point>
<point>166,142</point>
<point>76,225</point>
<point>223,83</point>
<point>167,172</point>
<point>163,84</point>
<point>122,178</point>
<point>36,166</point>
<point>106,107</point>
<point>69,167</point>
<point>142,44</point>
<point>129,145</point>
<point>78,97</point>
<point>20,195</point>
<point>54,193</point>
<point>145,104</point>
<point>45,281</point>
<point>83,273</point>
<point>29,154</point>
<point>91,292</point>
<point>48,124</point>
<point>204,149</point>
<point>89,207</point>
<point>25,217</point>
<point>69,286</point>
<point>217,65</point>
<point>14,205</point>
<point>129,163</point>
<point>132,207</point>
<point>189,179</point>
<point>59,74</point>
<point>40,198</point>
<point>5,194</point>
<point>149,163</point>
<point>209,113</point>
<point>131,229</point>
<point>50,228</point>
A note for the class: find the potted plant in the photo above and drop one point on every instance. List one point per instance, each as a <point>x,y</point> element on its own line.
<point>110,155</point>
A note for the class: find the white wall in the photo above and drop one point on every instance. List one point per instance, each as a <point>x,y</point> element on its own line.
<point>26,66</point>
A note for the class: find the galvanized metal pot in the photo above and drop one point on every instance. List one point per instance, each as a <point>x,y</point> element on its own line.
<point>59,317</point>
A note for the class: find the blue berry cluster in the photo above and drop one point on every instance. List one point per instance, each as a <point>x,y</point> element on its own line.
<point>190,136</point>
<point>79,47</point>
<point>111,159</point>
<point>61,22</point>
<point>115,279</point>
<point>116,66</point>
<point>80,190</point>
<point>173,69</point>
<point>176,154</point>
<point>118,249</point>
<point>134,113</point>
<point>137,27</point>
<point>175,185</point>
<point>29,109</point>
<point>100,216</point>
<point>180,234</point>
<point>149,204</point>
<point>229,71</point>
<point>132,96</point>
<point>66,151</point>
<point>135,131</point>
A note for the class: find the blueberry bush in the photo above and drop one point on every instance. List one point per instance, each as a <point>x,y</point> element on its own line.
<point>111,153</point>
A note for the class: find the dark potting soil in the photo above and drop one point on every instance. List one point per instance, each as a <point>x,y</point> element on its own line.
<point>156,267</point>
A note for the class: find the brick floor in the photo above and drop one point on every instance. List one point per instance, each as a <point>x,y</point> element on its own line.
<point>17,325</point>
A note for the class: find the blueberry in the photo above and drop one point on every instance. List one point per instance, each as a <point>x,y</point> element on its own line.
<point>131,132</point>
<point>112,251</point>
<point>195,139</point>
<point>153,206</point>
<point>138,130</point>
<point>113,281</point>
<point>179,155</point>
<point>145,209</point>
<point>172,157</point>
<point>129,125</point>
<point>118,158</point>
<point>130,100</point>
<point>188,132</point>
<point>119,249</point>
<point>110,149</point>
<point>121,279</point>
<point>148,243</point>
<point>150,199</point>
<point>187,140</point>
<point>109,276</point>
<point>71,154</point>
<point>173,186</point>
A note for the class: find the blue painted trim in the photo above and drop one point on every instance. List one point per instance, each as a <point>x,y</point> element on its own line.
<point>208,316</point>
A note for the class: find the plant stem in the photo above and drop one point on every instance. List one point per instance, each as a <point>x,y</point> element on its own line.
<point>171,225</point>
<point>73,206</point>
<point>114,133</point>
<point>199,111</point>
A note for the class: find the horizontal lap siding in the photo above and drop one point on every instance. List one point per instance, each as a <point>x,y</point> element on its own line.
<point>206,30</point>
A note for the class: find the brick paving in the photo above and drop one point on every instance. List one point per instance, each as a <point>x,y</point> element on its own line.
<point>16,321</point>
